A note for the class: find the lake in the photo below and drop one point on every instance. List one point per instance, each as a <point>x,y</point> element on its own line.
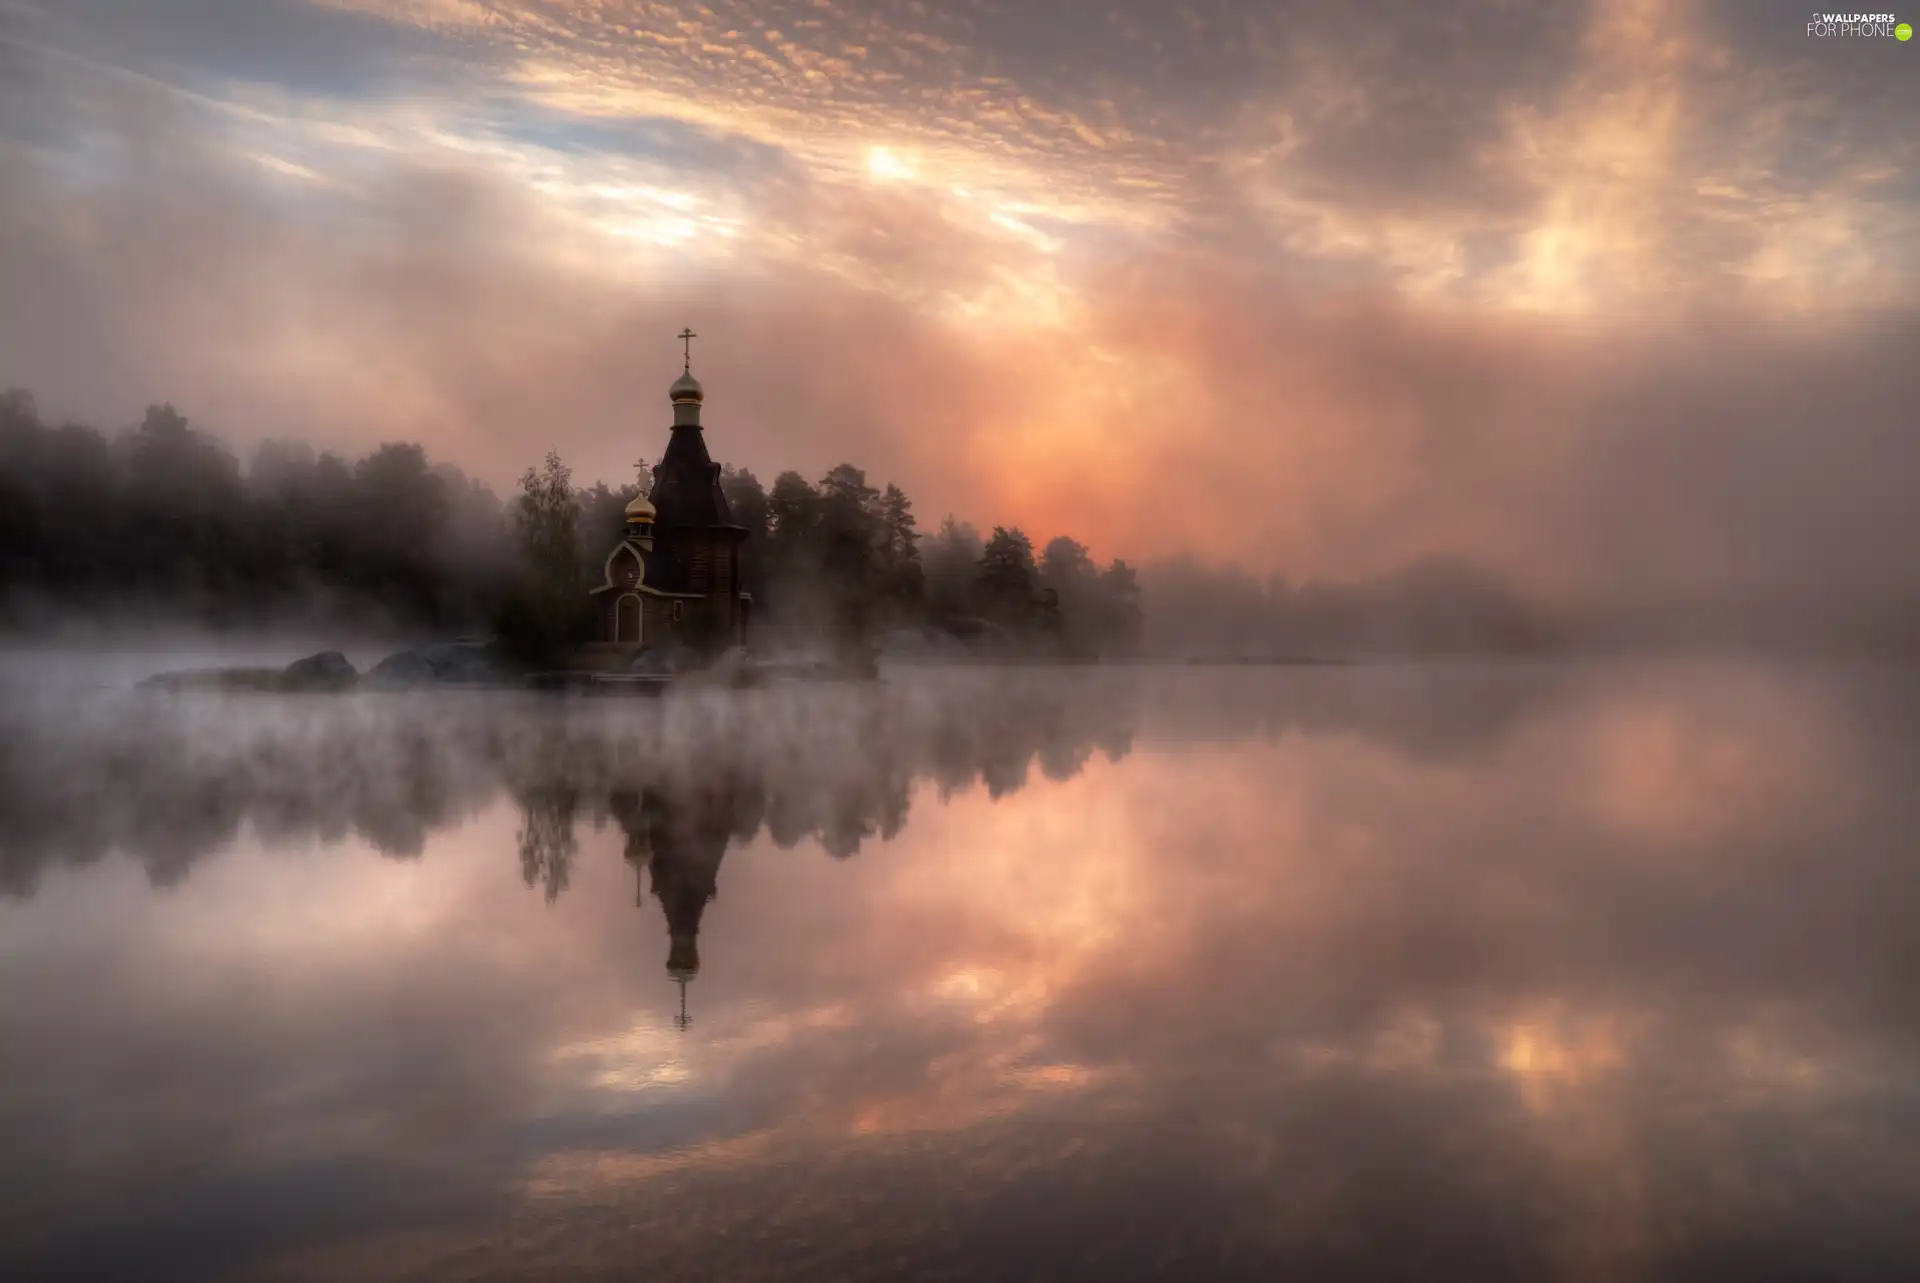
<point>1443,972</point>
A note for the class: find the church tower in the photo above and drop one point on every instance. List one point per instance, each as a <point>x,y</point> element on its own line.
<point>674,578</point>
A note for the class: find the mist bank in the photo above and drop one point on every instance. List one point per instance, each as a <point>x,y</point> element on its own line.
<point>162,524</point>
<point>1439,607</point>
<point>175,780</point>
<point>161,530</point>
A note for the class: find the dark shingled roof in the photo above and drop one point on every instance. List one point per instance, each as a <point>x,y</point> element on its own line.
<point>686,483</point>
<point>691,510</point>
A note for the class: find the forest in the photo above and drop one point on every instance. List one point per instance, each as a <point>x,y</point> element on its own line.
<point>164,521</point>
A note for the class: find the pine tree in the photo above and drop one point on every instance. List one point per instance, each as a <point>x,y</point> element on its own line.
<point>1006,575</point>
<point>904,580</point>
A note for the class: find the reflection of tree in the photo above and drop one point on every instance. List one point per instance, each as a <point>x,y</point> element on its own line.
<point>547,841</point>
<point>170,779</point>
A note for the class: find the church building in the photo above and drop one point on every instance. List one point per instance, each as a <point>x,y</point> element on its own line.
<point>673,580</point>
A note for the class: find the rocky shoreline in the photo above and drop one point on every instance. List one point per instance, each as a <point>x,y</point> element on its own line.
<point>479,663</point>
<point>476,665</point>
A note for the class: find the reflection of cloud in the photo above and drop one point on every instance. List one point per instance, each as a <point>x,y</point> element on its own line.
<point>1244,996</point>
<point>1684,781</point>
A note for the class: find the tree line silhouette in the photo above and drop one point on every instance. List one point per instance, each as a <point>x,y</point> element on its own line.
<point>846,559</point>
<point>165,519</point>
<point>165,522</point>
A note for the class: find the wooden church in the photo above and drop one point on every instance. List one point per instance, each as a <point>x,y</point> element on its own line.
<point>673,580</point>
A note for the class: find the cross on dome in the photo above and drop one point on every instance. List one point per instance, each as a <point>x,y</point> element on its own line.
<point>686,393</point>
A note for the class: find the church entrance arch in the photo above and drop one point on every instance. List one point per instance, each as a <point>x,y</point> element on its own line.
<point>626,619</point>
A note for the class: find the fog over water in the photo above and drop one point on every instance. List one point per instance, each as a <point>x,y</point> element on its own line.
<point>1464,971</point>
<point>1566,349</point>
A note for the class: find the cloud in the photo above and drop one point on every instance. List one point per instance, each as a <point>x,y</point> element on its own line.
<point>301,47</point>
<point>1613,300</point>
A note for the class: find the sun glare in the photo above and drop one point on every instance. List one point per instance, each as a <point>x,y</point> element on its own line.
<point>884,162</point>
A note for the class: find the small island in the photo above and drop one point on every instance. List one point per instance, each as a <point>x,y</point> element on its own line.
<point>666,597</point>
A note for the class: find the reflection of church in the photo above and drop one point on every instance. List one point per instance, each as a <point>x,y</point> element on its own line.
<point>675,843</point>
<point>674,577</point>
<point>679,809</point>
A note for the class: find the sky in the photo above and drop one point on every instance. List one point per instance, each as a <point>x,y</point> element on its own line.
<point>1616,298</point>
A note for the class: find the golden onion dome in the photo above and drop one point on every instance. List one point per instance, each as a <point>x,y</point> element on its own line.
<point>641,509</point>
<point>686,388</point>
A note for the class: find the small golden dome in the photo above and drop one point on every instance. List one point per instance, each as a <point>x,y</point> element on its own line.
<point>641,509</point>
<point>686,388</point>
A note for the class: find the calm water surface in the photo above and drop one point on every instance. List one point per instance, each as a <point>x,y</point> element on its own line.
<point>1475,973</point>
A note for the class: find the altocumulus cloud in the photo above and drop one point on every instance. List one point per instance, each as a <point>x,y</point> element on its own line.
<point>1612,298</point>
